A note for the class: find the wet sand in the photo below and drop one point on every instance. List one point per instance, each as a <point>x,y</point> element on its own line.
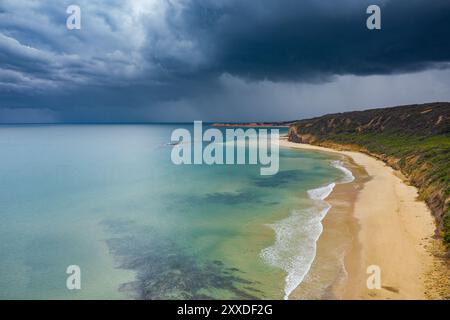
<point>375,220</point>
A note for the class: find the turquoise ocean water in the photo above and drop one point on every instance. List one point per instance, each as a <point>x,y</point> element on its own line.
<point>108,199</point>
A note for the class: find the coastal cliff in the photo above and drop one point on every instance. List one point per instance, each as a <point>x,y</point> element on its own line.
<point>414,139</point>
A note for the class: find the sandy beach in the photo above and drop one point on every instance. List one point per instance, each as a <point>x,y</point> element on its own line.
<point>382,225</point>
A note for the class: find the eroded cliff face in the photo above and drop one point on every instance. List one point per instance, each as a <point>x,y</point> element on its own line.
<point>299,137</point>
<point>413,139</point>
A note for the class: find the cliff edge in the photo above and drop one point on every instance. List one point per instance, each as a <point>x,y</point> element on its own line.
<point>414,139</point>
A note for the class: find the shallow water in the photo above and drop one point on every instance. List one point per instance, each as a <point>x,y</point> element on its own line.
<point>108,199</point>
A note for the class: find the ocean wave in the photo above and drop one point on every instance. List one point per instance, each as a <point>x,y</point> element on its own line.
<point>321,193</point>
<point>348,175</point>
<point>295,246</point>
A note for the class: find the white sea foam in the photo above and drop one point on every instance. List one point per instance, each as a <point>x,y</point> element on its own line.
<point>348,174</point>
<point>295,246</point>
<point>321,193</point>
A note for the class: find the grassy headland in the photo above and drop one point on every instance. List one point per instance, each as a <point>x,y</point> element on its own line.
<point>413,139</point>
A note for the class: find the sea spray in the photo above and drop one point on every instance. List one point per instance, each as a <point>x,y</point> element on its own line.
<point>296,236</point>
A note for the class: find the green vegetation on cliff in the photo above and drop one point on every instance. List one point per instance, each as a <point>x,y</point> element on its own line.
<point>414,139</point>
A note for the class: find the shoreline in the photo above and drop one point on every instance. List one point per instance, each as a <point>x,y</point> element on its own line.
<point>328,273</point>
<point>393,230</point>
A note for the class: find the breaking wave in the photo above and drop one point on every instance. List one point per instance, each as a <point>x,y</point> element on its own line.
<point>295,246</point>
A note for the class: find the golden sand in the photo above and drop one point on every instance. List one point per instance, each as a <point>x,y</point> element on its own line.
<point>376,220</point>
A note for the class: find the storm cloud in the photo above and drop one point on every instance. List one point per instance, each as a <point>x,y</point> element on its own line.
<point>228,60</point>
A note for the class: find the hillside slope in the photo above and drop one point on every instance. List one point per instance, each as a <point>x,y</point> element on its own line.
<point>414,139</point>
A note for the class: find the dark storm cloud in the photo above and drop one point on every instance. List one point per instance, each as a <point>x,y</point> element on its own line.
<point>147,59</point>
<point>292,40</point>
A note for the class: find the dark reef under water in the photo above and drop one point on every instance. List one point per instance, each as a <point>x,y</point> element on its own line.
<point>164,270</point>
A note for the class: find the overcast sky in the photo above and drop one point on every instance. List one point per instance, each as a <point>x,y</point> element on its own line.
<point>218,60</point>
